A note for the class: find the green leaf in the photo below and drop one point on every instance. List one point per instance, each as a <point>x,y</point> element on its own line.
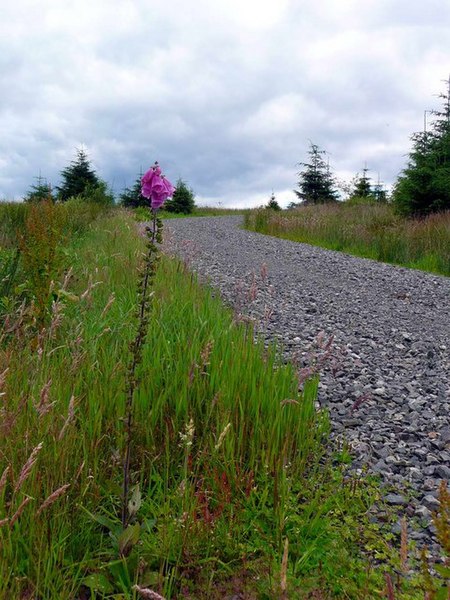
<point>98,583</point>
<point>148,525</point>
<point>113,526</point>
<point>129,538</point>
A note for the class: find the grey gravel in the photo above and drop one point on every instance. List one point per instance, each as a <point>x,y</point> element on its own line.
<point>379,334</point>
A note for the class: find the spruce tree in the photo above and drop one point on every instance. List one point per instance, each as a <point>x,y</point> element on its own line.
<point>132,197</point>
<point>424,185</point>
<point>40,191</point>
<point>78,179</point>
<point>362,187</point>
<point>317,185</point>
<point>182,201</point>
<point>273,204</point>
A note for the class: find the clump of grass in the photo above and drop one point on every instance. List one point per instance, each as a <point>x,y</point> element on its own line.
<point>364,229</point>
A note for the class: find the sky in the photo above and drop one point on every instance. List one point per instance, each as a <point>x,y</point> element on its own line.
<point>225,94</point>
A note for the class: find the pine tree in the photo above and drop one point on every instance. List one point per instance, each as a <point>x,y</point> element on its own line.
<point>40,191</point>
<point>78,179</point>
<point>362,187</point>
<point>316,183</point>
<point>273,204</point>
<point>132,197</point>
<point>424,185</point>
<point>183,199</point>
<point>379,193</point>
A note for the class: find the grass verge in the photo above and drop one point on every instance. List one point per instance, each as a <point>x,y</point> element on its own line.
<point>364,229</point>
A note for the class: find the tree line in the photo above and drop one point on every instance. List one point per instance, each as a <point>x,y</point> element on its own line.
<point>423,187</point>
<point>79,180</point>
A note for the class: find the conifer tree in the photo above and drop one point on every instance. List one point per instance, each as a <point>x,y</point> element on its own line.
<point>362,187</point>
<point>424,185</point>
<point>132,197</point>
<point>78,178</point>
<point>273,204</point>
<point>182,201</point>
<point>39,191</point>
<point>316,184</point>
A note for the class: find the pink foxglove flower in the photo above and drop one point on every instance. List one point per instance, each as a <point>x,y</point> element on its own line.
<point>156,187</point>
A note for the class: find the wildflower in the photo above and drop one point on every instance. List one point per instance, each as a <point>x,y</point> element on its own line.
<point>156,187</point>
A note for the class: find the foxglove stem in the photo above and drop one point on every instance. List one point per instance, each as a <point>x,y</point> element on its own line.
<point>154,234</point>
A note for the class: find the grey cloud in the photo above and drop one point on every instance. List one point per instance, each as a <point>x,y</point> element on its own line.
<point>223,100</point>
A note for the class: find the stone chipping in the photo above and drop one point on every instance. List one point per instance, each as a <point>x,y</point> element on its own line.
<point>378,334</point>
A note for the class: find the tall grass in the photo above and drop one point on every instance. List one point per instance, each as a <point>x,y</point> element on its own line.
<point>364,229</point>
<point>228,457</point>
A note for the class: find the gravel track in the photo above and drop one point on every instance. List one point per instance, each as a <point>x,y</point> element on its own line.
<point>385,378</point>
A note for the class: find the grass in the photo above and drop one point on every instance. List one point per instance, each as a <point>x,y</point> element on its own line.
<point>229,460</point>
<point>364,229</point>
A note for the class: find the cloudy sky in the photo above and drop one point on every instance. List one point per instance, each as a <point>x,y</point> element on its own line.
<point>226,94</point>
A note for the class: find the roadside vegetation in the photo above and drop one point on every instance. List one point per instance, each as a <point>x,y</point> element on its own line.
<point>411,228</point>
<point>363,228</point>
<point>234,488</point>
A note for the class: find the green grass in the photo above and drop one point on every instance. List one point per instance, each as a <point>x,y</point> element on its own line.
<point>228,459</point>
<point>364,229</point>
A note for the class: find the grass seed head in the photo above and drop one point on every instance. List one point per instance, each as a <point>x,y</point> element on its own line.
<point>28,467</point>
<point>53,498</point>
<point>147,593</point>
<point>19,511</point>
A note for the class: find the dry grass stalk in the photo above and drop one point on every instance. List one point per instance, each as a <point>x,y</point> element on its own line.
<point>28,467</point>
<point>205,355</point>
<point>87,292</point>
<point>441,519</point>
<point>404,546</point>
<point>147,594</point>
<point>19,511</point>
<point>222,437</point>
<point>52,498</point>
<point>390,594</point>
<point>67,278</point>
<point>69,419</point>
<point>3,380</point>
<point>284,566</point>
<point>4,478</point>
<point>253,290</point>
<point>4,522</point>
<point>44,405</point>
<point>108,304</point>
<point>57,317</point>
<point>264,271</point>
<point>8,418</point>
<point>80,469</point>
